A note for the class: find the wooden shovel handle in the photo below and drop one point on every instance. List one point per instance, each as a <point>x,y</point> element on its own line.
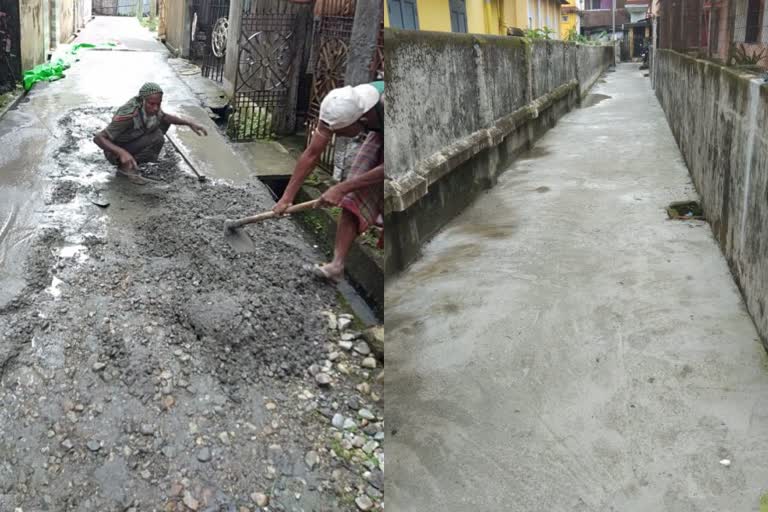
<point>268,215</point>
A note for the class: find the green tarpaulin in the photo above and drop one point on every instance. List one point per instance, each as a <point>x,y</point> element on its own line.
<point>54,70</point>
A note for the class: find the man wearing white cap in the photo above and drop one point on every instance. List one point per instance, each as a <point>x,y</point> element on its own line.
<point>346,112</point>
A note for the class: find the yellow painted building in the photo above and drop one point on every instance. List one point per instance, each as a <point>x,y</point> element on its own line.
<point>526,14</point>
<point>569,18</point>
<point>473,16</point>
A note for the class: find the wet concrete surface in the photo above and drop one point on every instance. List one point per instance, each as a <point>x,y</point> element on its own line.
<point>141,358</point>
<point>212,155</point>
<point>590,100</point>
<point>124,31</point>
<point>563,346</point>
<point>21,195</point>
<point>271,157</point>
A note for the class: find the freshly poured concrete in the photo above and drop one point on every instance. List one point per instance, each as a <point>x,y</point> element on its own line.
<point>562,346</point>
<point>28,135</point>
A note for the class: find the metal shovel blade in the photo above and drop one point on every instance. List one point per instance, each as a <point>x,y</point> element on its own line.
<point>239,240</point>
<point>99,200</point>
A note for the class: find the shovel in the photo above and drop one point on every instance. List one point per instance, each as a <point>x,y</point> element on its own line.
<point>239,239</point>
<point>184,157</point>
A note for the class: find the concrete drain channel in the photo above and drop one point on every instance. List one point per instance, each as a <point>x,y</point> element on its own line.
<point>685,210</point>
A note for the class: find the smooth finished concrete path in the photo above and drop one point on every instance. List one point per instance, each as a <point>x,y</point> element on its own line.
<point>562,346</point>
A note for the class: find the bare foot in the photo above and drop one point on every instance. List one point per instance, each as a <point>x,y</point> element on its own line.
<point>328,271</point>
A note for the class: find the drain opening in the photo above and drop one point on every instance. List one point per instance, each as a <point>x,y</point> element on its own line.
<point>276,185</point>
<point>685,210</point>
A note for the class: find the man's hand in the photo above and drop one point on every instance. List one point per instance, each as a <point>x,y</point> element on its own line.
<point>332,197</point>
<point>198,129</point>
<point>281,206</point>
<point>127,162</point>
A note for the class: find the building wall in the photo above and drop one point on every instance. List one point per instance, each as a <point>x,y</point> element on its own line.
<point>483,17</point>
<point>435,15</point>
<point>717,120</point>
<point>177,26</point>
<point>524,14</point>
<point>491,17</point>
<point>66,13</point>
<point>568,21</point>
<point>34,46</point>
<point>516,14</point>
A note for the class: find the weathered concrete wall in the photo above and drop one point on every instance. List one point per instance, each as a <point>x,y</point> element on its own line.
<point>66,17</point>
<point>83,13</point>
<point>590,64</point>
<point>554,64</point>
<point>33,42</point>
<point>177,26</point>
<point>718,118</point>
<point>459,107</point>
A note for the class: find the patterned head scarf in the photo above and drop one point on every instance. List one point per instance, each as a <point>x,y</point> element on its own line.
<point>148,89</point>
<point>137,102</point>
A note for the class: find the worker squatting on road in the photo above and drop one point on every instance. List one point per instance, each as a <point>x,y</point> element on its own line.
<point>137,131</point>
<point>347,112</point>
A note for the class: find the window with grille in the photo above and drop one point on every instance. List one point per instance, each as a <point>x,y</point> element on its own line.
<point>403,14</point>
<point>458,15</point>
<point>594,5</point>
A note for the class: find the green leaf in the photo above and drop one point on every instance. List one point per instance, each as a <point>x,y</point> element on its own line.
<point>764,503</point>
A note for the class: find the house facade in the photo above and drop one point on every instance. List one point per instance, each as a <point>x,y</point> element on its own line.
<point>495,17</point>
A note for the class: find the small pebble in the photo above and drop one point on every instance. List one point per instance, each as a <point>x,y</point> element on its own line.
<point>204,455</point>
<point>338,421</point>
<point>364,503</point>
<point>323,379</point>
<point>261,500</point>
<point>362,348</point>
<point>312,459</point>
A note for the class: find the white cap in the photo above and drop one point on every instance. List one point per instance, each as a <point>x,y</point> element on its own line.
<point>344,106</point>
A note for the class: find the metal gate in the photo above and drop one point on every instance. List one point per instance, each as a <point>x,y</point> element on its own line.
<point>638,41</point>
<point>272,39</point>
<point>131,7</point>
<point>10,52</point>
<point>330,46</point>
<point>208,45</point>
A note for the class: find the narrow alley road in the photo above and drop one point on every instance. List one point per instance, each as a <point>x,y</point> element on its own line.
<point>563,346</point>
<point>144,364</point>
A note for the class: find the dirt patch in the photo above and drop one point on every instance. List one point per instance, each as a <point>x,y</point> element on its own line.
<point>63,192</point>
<point>685,210</point>
<point>154,364</point>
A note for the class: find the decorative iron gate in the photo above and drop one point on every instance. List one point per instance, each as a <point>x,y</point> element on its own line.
<point>330,46</point>
<point>208,45</point>
<point>272,39</point>
<point>10,53</point>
